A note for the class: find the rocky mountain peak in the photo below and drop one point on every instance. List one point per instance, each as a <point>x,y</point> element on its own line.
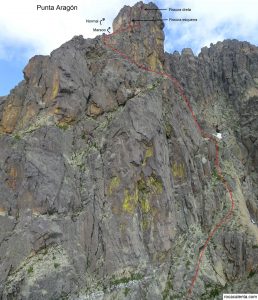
<point>108,190</point>
<point>138,32</point>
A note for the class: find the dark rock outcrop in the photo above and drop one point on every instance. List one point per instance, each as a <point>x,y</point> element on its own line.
<point>108,190</point>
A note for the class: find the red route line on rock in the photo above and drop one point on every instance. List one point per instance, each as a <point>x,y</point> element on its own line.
<point>201,131</point>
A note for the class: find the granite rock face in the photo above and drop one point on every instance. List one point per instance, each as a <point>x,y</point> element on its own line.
<point>108,190</point>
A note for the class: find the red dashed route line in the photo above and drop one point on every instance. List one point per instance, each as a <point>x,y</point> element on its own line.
<point>180,90</point>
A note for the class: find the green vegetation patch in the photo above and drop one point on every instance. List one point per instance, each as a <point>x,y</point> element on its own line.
<point>212,291</point>
<point>126,291</point>
<point>215,292</point>
<point>63,126</point>
<point>169,286</point>
<point>124,280</point>
<point>168,130</point>
<point>17,137</point>
<point>252,273</point>
<point>215,177</point>
<point>56,265</point>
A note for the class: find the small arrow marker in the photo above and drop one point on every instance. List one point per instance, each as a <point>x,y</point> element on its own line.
<point>155,9</point>
<point>134,20</point>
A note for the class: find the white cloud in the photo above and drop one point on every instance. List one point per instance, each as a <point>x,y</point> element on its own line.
<point>217,20</point>
<point>43,31</point>
<point>39,32</point>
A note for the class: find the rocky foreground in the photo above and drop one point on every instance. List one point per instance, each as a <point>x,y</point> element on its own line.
<point>108,190</point>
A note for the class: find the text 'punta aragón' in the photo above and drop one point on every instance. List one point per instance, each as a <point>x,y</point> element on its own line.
<point>66,8</point>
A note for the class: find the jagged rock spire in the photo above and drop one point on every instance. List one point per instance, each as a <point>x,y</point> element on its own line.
<point>142,41</point>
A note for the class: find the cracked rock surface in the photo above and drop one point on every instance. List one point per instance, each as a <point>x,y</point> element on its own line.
<point>108,190</point>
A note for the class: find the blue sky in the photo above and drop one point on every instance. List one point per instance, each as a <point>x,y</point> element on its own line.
<point>40,32</point>
<point>10,74</point>
<point>12,62</point>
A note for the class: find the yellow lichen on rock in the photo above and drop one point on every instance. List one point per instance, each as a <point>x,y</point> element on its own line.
<point>52,86</point>
<point>178,170</point>
<point>57,110</point>
<point>145,206</point>
<point>114,184</point>
<point>155,185</point>
<point>153,62</point>
<point>148,154</point>
<point>55,85</point>
<point>145,224</point>
<point>141,198</point>
<point>130,201</point>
